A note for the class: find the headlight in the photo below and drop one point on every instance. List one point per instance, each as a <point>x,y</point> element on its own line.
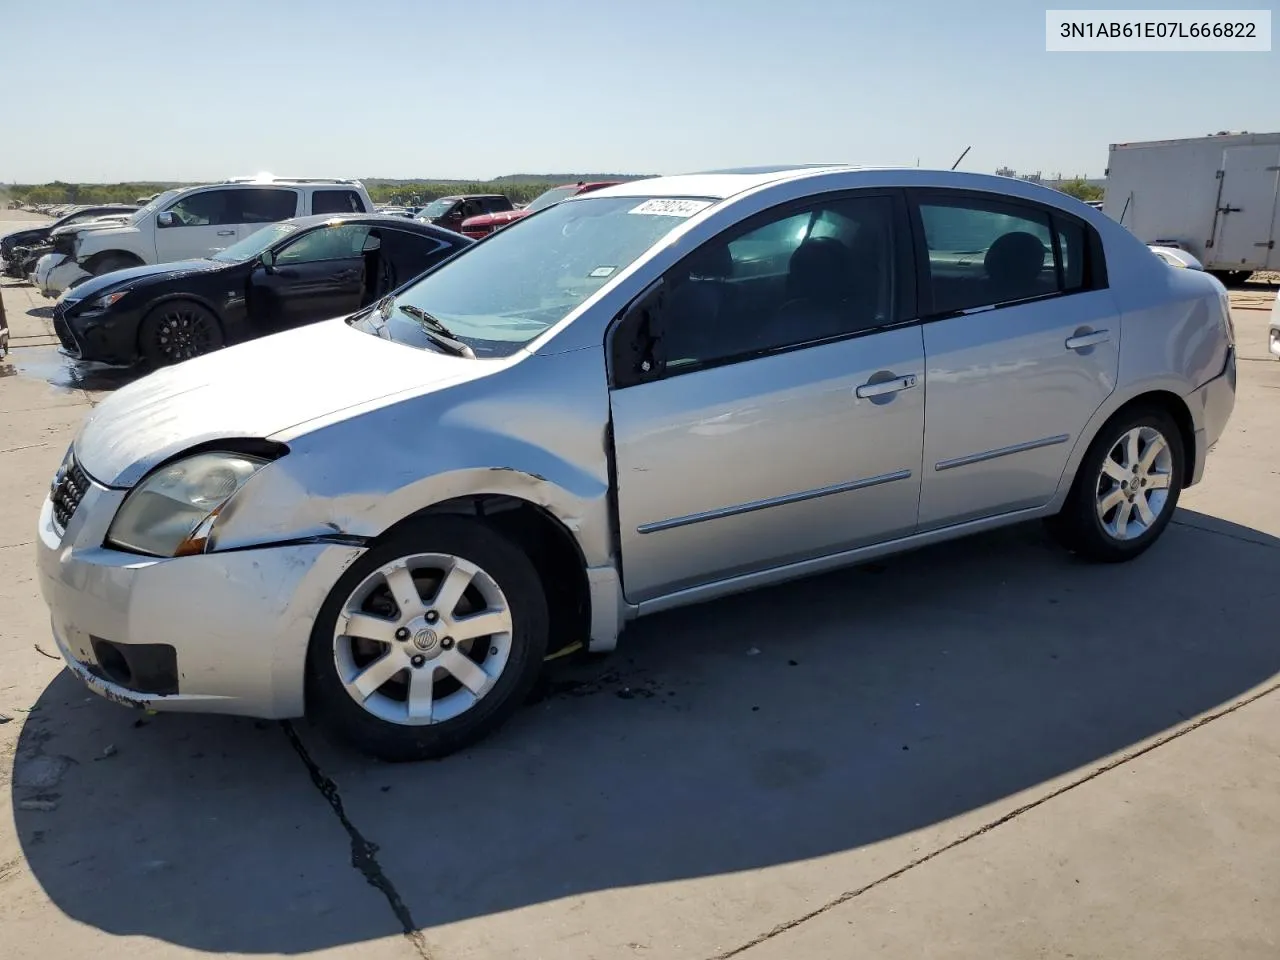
<point>103,303</point>
<point>171,513</point>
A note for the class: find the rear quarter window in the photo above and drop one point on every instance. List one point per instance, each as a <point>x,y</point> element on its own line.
<point>337,201</point>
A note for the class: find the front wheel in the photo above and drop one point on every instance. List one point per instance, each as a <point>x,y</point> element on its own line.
<point>177,331</point>
<point>1126,488</point>
<point>428,643</point>
<point>110,262</point>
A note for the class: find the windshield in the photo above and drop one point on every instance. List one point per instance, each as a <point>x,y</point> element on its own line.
<point>436,208</point>
<point>143,211</point>
<point>254,243</point>
<point>552,196</point>
<point>498,295</point>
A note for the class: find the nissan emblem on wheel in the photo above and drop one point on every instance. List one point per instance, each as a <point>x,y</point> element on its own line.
<point>632,399</point>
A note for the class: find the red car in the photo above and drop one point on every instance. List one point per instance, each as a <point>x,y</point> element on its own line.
<point>487,223</point>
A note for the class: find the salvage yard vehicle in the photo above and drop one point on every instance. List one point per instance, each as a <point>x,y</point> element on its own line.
<point>284,275</point>
<point>652,395</point>
<point>1214,196</point>
<point>192,222</point>
<point>36,236</point>
<point>450,212</point>
<point>486,223</point>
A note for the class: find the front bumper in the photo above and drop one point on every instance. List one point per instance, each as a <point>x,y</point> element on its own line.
<point>55,272</point>
<point>104,336</point>
<point>1211,406</point>
<point>238,623</point>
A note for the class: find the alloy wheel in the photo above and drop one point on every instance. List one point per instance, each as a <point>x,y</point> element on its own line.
<point>183,334</point>
<point>1132,490</point>
<point>411,661</point>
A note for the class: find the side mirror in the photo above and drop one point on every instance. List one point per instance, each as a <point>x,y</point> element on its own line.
<point>166,219</point>
<point>268,260</point>
<point>636,349</point>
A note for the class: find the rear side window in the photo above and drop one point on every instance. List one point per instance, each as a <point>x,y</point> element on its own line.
<point>497,204</point>
<point>988,252</point>
<point>266,205</point>
<point>336,201</point>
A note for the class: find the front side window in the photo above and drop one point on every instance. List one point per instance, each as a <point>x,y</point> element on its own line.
<point>339,242</point>
<point>987,252</point>
<point>265,205</point>
<point>436,208</point>
<point>500,294</point>
<point>207,209</point>
<point>803,276</point>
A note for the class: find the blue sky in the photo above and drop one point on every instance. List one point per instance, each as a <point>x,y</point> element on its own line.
<point>462,88</point>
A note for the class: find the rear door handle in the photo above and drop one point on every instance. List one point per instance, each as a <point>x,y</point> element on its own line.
<point>226,233</point>
<point>886,386</point>
<point>1082,340</point>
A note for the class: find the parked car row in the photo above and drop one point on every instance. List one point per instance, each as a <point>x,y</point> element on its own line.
<point>638,398</point>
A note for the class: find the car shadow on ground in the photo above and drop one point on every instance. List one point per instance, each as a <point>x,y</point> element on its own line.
<point>791,723</point>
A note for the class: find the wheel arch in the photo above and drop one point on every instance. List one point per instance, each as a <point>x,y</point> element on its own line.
<point>550,545</point>
<point>1160,397</point>
<point>97,258</point>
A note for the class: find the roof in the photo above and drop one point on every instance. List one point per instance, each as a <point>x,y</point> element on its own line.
<point>720,184</point>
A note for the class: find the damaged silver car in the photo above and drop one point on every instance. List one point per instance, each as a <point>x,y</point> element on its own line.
<point>656,394</point>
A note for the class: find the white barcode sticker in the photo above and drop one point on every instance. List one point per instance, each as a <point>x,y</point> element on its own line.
<point>671,207</point>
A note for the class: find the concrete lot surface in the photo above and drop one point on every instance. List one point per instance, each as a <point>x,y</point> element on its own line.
<point>985,749</point>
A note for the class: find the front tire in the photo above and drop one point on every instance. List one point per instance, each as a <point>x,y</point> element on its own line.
<point>178,330</point>
<point>110,262</point>
<point>428,643</point>
<point>1126,488</point>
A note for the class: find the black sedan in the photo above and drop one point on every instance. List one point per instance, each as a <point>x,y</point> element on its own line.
<point>283,275</point>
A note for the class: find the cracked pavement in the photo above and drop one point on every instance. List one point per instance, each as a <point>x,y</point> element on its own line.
<point>981,749</point>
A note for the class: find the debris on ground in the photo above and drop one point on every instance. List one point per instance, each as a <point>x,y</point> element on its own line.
<point>45,653</point>
<point>110,751</point>
<point>753,652</point>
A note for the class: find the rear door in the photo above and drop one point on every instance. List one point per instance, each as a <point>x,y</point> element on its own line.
<point>1247,210</point>
<point>1021,339</point>
<point>315,276</point>
<point>258,206</point>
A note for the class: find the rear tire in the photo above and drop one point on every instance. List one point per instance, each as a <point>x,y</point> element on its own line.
<point>414,691</point>
<point>1126,488</point>
<point>178,330</point>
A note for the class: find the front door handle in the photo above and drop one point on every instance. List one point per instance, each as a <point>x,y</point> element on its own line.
<point>226,233</point>
<point>1082,340</point>
<point>886,386</point>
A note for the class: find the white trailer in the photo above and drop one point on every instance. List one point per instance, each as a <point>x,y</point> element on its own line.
<point>1215,197</point>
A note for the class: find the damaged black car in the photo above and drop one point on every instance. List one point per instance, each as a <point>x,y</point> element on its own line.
<point>283,275</point>
<point>18,264</point>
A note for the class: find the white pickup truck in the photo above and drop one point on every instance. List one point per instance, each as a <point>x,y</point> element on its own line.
<point>190,223</point>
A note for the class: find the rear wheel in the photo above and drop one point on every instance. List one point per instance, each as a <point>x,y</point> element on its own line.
<point>1232,278</point>
<point>428,643</point>
<point>1126,488</point>
<point>178,330</point>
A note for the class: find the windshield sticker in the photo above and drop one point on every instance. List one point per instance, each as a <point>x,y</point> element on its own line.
<point>671,208</point>
<point>601,272</point>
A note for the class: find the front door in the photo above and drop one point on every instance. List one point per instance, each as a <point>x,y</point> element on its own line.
<point>200,224</point>
<point>787,417</point>
<point>1022,348</point>
<point>1247,211</point>
<point>318,275</point>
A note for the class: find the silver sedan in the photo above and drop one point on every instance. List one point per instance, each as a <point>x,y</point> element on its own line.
<point>656,394</point>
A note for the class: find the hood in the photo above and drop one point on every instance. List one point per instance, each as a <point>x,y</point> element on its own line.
<point>148,272</point>
<point>254,390</point>
<point>107,224</point>
<point>22,238</point>
<point>491,219</point>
